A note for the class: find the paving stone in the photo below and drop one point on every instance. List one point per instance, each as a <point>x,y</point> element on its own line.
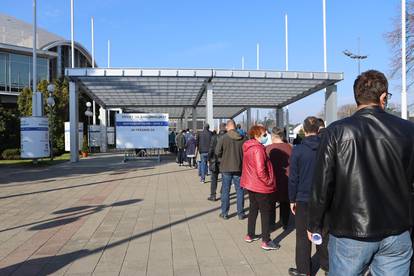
<point>82,219</point>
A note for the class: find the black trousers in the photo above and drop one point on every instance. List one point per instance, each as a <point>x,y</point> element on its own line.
<point>284,213</point>
<point>213,184</point>
<point>181,156</point>
<point>258,202</point>
<point>304,246</point>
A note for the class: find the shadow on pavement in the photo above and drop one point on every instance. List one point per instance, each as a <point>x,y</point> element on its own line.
<point>51,264</point>
<point>86,184</point>
<point>99,164</point>
<point>75,214</point>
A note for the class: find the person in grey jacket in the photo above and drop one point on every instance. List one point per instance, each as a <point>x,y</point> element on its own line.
<point>229,150</point>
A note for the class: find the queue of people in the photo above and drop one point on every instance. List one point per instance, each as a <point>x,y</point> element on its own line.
<point>349,186</point>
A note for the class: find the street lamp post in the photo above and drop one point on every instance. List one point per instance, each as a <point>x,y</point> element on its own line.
<point>356,56</point>
<point>89,114</point>
<point>51,104</point>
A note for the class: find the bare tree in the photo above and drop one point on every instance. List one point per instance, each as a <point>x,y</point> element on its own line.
<point>346,110</point>
<point>394,39</point>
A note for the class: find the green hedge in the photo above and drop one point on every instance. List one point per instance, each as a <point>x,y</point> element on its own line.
<point>11,154</point>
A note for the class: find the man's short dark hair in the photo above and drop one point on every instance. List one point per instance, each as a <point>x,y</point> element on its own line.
<point>369,86</point>
<point>321,123</point>
<point>238,126</point>
<point>311,125</point>
<point>206,126</point>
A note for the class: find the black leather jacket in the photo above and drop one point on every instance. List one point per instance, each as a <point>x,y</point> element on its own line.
<point>364,176</point>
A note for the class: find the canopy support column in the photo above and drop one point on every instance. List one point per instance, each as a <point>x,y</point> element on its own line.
<point>331,105</point>
<point>194,119</point>
<point>279,117</point>
<point>209,105</point>
<point>185,118</point>
<point>74,122</point>
<point>103,122</point>
<point>287,127</point>
<point>180,124</point>
<point>249,119</point>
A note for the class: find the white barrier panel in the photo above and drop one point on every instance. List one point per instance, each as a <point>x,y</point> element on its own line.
<point>67,136</point>
<point>34,135</point>
<point>141,131</point>
<point>110,132</point>
<point>94,135</point>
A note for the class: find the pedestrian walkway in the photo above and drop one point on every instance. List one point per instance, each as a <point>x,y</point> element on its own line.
<point>105,217</point>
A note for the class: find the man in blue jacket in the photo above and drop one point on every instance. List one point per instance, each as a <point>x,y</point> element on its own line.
<point>302,166</point>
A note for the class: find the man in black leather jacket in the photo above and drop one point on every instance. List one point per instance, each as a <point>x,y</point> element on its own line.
<point>364,181</point>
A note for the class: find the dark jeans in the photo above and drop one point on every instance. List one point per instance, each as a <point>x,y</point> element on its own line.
<point>213,184</point>
<point>203,165</point>
<point>181,156</point>
<point>227,179</point>
<point>303,245</point>
<point>258,202</point>
<point>191,161</point>
<point>284,213</point>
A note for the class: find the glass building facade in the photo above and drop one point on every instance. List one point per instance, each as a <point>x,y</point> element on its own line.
<point>16,70</point>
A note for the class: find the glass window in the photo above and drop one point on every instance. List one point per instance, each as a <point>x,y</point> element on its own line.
<point>20,70</point>
<point>3,70</point>
<point>42,69</point>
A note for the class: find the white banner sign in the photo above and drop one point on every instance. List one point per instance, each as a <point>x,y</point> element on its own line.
<point>141,131</point>
<point>110,131</point>
<point>67,136</point>
<point>94,135</point>
<point>34,135</point>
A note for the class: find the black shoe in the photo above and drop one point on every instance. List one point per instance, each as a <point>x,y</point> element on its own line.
<point>225,217</point>
<point>242,216</point>
<point>211,198</point>
<point>295,272</point>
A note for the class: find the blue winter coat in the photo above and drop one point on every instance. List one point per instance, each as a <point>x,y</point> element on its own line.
<point>302,167</point>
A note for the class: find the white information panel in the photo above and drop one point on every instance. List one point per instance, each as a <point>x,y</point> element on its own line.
<point>94,135</point>
<point>34,137</point>
<point>141,131</point>
<point>110,131</point>
<point>67,136</point>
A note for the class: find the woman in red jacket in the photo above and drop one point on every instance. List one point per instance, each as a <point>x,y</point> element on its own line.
<point>258,179</point>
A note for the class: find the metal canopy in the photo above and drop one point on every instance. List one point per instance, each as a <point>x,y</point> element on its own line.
<point>177,91</point>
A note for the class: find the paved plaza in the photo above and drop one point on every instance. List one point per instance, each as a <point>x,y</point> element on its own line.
<point>105,217</point>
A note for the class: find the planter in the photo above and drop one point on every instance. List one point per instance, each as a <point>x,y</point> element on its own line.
<point>85,154</point>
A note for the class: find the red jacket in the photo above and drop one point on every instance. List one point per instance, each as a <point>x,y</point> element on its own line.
<point>257,174</point>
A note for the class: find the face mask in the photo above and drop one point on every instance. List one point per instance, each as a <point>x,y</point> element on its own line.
<point>263,140</point>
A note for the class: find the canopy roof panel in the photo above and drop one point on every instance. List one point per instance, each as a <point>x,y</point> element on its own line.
<point>176,91</point>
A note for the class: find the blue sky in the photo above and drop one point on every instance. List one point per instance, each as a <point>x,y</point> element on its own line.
<point>205,34</point>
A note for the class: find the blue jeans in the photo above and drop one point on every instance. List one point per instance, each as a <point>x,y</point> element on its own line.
<point>227,179</point>
<point>390,256</point>
<point>203,165</point>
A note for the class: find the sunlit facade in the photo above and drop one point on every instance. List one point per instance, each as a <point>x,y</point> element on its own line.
<point>53,56</point>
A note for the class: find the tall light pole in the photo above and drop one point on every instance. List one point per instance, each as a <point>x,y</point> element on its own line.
<point>403,62</point>
<point>51,104</point>
<point>93,66</point>
<point>37,100</point>
<point>72,35</point>
<point>355,56</point>
<point>109,53</point>
<point>257,56</point>
<point>325,58</point>
<point>287,69</point>
<point>88,114</point>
